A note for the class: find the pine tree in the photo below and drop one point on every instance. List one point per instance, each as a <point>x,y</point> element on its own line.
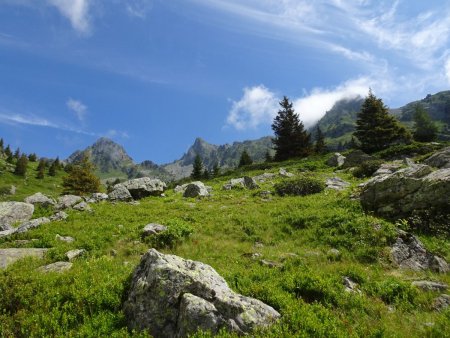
<point>9,154</point>
<point>291,139</point>
<point>267,157</point>
<point>376,129</point>
<point>32,157</point>
<point>1,145</point>
<point>197,170</point>
<point>53,168</point>
<point>245,159</point>
<point>319,146</point>
<point>216,169</point>
<point>40,171</point>
<point>21,165</point>
<point>425,130</point>
<point>81,180</point>
<point>17,154</point>
<point>206,174</point>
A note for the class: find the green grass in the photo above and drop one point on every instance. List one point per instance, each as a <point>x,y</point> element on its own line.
<point>295,231</point>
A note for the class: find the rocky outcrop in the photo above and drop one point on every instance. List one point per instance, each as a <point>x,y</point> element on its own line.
<point>408,252</point>
<point>10,256</point>
<point>440,159</point>
<point>120,194</point>
<point>31,224</point>
<point>97,197</point>
<point>68,201</point>
<point>415,188</point>
<point>143,187</point>
<point>264,177</point>
<point>336,160</point>
<point>40,199</point>
<point>355,158</point>
<point>195,189</point>
<point>427,285</point>
<point>174,297</point>
<point>336,183</point>
<point>245,182</point>
<point>13,212</point>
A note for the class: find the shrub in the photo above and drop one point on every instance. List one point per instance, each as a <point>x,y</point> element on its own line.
<point>392,291</point>
<point>176,232</point>
<point>300,186</point>
<point>367,168</point>
<point>412,149</point>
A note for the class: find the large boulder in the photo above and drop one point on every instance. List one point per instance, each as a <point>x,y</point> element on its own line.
<point>356,158</point>
<point>336,183</point>
<point>336,160</point>
<point>120,194</point>
<point>440,159</point>
<point>40,199</point>
<point>31,224</point>
<point>415,188</point>
<point>174,297</point>
<point>408,252</point>
<point>245,182</point>
<point>195,189</point>
<point>68,201</point>
<point>143,187</point>
<point>12,212</point>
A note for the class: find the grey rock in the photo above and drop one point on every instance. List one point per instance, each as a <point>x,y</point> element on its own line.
<point>59,216</point>
<point>264,177</point>
<point>174,297</point>
<point>66,239</point>
<point>40,199</point>
<point>10,256</point>
<point>427,285</point>
<point>82,206</point>
<point>153,229</point>
<point>355,158</point>
<point>284,173</point>
<point>441,303</point>
<point>408,252</point>
<point>120,194</point>
<point>196,189</point>
<point>72,254</point>
<point>68,201</point>
<point>336,183</point>
<point>31,224</point>
<point>388,168</point>
<point>440,159</point>
<point>350,285</point>
<point>144,187</point>
<point>270,264</point>
<point>336,160</point>
<point>6,233</point>
<point>12,212</point>
<point>56,267</point>
<point>98,197</point>
<point>250,183</point>
<point>245,182</point>
<point>334,254</point>
<point>410,189</point>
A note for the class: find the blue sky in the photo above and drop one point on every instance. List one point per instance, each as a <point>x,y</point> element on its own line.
<point>155,74</point>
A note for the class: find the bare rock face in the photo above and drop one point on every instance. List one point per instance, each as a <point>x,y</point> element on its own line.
<point>195,189</point>
<point>40,199</point>
<point>12,212</point>
<point>174,297</point>
<point>143,187</point>
<point>408,252</point>
<point>398,194</point>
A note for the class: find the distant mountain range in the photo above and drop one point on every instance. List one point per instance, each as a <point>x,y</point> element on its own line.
<point>337,124</point>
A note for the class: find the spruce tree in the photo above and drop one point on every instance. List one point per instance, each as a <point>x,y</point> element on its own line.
<point>53,168</point>
<point>197,170</point>
<point>216,169</point>
<point>9,154</point>
<point>267,157</point>
<point>245,159</point>
<point>291,139</point>
<point>32,157</point>
<point>81,180</point>
<point>319,146</point>
<point>1,145</point>
<point>206,174</point>
<point>21,165</point>
<point>40,172</point>
<point>376,129</point>
<point>425,130</point>
<point>17,154</point>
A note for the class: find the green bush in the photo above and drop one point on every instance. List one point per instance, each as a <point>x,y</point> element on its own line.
<point>393,291</point>
<point>367,168</point>
<point>412,149</point>
<point>301,186</point>
<point>176,232</point>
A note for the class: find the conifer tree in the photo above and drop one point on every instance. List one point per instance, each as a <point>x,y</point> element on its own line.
<point>17,154</point>
<point>81,179</point>
<point>267,157</point>
<point>41,165</point>
<point>197,170</point>
<point>425,130</point>
<point>216,169</point>
<point>1,145</point>
<point>40,172</point>
<point>319,146</point>
<point>206,174</point>
<point>9,154</point>
<point>21,165</point>
<point>245,159</point>
<point>291,139</point>
<point>376,129</point>
<point>53,168</point>
<point>32,157</point>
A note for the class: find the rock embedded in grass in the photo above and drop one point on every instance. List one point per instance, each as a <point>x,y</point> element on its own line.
<point>120,194</point>
<point>56,267</point>
<point>427,285</point>
<point>195,189</point>
<point>12,212</point>
<point>40,199</point>
<point>152,229</point>
<point>72,254</point>
<point>174,297</point>
<point>143,187</point>
<point>10,256</point>
<point>68,201</point>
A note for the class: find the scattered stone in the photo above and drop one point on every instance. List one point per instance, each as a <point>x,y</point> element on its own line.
<point>252,255</point>
<point>337,160</point>
<point>34,223</point>
<point>83,206</point>
<point>153,229</point>
<point>59,216</point>
<point>350,285</point>
<point>441,159</point>
<point>334,254</point>
<point>120,194</point>
<point>250,183</point>
<point>56,267</point>
<point>97,197</point>
<point>66,239</point>
<point>388,168</point>
<point>284,173</point>
<point>10,256</point>
<point>408,252</point>
<point>398,194</point>
<point>12,212</point>
<point>195,189</point>
<point>245,182</point>
<point>427,285</point>
<point>143,187</point>
<point>174,297</point>
<point>336,183</point>
<point>6,233</point>
<point>270,264</point>
<point>442,302</point>
<point>40,199</point>
<point>68,201</point>
<point>72,254</point>
<point>356,158</point>
<point>263,177</point>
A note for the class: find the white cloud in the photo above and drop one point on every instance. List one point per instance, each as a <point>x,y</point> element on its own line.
<point>447,70</point>
<point>257,106</point>
<point>78,108</point>
<point>77,11</point>
<point>29,120</point>
<point>138,8</point>
<point>116,133</point>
